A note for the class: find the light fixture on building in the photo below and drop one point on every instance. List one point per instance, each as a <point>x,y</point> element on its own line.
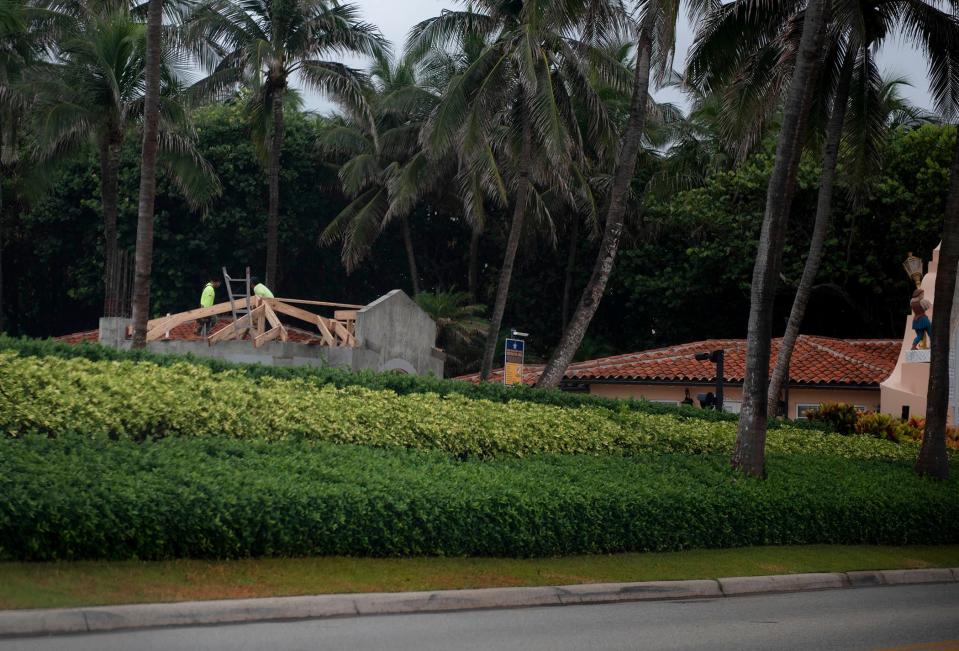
<point>913,267</point>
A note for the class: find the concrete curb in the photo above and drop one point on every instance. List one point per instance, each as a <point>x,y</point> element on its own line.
<point>21,623</point>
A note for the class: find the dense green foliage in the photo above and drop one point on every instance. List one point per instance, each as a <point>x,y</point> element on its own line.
<point>140,400</point>
<point>683,275</point>
<point>400,384</point>
<point>89,497</point>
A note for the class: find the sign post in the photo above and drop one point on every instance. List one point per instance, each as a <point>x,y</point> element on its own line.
<point>513,361</point>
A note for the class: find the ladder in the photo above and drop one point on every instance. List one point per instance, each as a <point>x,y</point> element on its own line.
<point>242,289</point>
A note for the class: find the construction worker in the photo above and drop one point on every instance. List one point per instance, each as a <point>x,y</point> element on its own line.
<point>207,299</point>
<point>261,290</point>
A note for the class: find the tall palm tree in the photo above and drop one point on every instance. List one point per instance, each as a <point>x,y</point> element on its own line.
<point>384,158</point>
<point>932,460</point>
<point>752,51</point>
<point>876,109</point>
<point>655,42</point>
<point>749,453</point>
<point>94,89</point>
<point>763,48</point>
<point>509,112</point>
<point>143,256</point>
<point>266,45</point>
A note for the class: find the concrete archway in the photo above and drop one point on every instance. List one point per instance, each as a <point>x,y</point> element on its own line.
<point>398,365</point>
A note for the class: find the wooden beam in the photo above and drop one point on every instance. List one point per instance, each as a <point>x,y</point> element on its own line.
<point>345,315</point>
<point>232,329</point>
<point>304,315</point>
<point>158,327</point>
<point>324,327</point>
<point>274,322</point>
<point>271,316</point>
<point>300,301</point>
<point>269,335</point>
<point>345,335</point>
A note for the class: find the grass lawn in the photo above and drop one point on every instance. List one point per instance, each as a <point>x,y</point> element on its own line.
<point>88,583</point>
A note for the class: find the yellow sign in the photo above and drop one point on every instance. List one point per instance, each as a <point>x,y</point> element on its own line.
<point>514,373</point>
<point>513,359</point>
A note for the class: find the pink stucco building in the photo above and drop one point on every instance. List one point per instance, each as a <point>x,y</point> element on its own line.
<point>822,370</point>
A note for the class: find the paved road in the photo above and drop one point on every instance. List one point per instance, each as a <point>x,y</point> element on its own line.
<point>913,618</point>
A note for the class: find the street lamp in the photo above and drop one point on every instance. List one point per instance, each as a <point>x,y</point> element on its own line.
<point>913,267</point>
<point>716,357</point>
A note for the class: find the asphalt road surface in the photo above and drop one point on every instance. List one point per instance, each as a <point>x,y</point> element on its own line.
<point>904,618</point>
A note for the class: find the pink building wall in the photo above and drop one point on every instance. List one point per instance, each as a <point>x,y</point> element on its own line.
<point>732,395</point>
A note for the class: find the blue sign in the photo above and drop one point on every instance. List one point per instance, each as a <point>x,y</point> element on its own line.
<point>517,345</point>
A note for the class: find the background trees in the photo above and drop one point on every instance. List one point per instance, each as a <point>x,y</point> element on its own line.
<point>264,46</point>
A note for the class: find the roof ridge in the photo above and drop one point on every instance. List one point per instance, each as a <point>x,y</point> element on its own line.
<point>848,358</point>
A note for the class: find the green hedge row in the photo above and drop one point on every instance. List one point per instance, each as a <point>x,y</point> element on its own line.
<point>139,400</point>
<point>78,497</point>
<point>401,384</point>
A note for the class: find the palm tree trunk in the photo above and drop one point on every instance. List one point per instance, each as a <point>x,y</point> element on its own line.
<point>821,225</point>
<point>410,258</point>
<point>473,280</point>
<point>570,264</point>
<point>750,452</point>
<point>512,245</point>
<point>109,172</point>
<point>932,460</point>
<point>608,248</point>
<point>143,264</point>
<point>273,216</point>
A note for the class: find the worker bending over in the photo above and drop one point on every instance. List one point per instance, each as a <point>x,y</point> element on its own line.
<point>261,290</point>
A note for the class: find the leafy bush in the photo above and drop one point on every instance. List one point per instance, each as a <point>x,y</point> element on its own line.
<point>841,417</point>
<point>138,400</point>
<point>846,419</point>
<point>401,384</point>
<point>89,497</point>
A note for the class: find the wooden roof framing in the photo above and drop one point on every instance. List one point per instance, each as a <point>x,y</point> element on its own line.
<point>338,331</point>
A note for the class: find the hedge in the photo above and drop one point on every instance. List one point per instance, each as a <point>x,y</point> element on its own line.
<point>78,497</point>
<point>401,384</point>
<point>138,400</point>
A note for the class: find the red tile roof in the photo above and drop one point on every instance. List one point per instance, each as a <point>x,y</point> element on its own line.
<point>815,361</point>
<point>187,332</point>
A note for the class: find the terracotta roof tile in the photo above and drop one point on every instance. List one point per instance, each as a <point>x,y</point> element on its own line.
<point>815,360</point>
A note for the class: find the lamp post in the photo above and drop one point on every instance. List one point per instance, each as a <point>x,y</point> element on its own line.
<point>913,267</point>
<point>717,357</point>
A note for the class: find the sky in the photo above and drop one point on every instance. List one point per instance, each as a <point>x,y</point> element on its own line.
<point>396,17</point>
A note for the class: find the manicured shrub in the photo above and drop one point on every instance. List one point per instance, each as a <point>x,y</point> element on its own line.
<point>139,400</point>
<point>401,384</point>
<point>840,417</point>
<point>846,419</point>
<point>89,497</point>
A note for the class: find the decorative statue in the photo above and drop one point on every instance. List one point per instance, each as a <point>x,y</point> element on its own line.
<point>920,322</point>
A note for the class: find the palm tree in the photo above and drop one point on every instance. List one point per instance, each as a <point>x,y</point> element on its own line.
<point>655,41</point>
<point>932,460</point>
<point>384,159</point>
<point>266,44</point>
<point>459,325</point>
<point>94,90</point>
<point>508,113</point>
<point>876,109</point>
<point>143,257</point>
<point>763,47</point>
<point>749,453</point>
